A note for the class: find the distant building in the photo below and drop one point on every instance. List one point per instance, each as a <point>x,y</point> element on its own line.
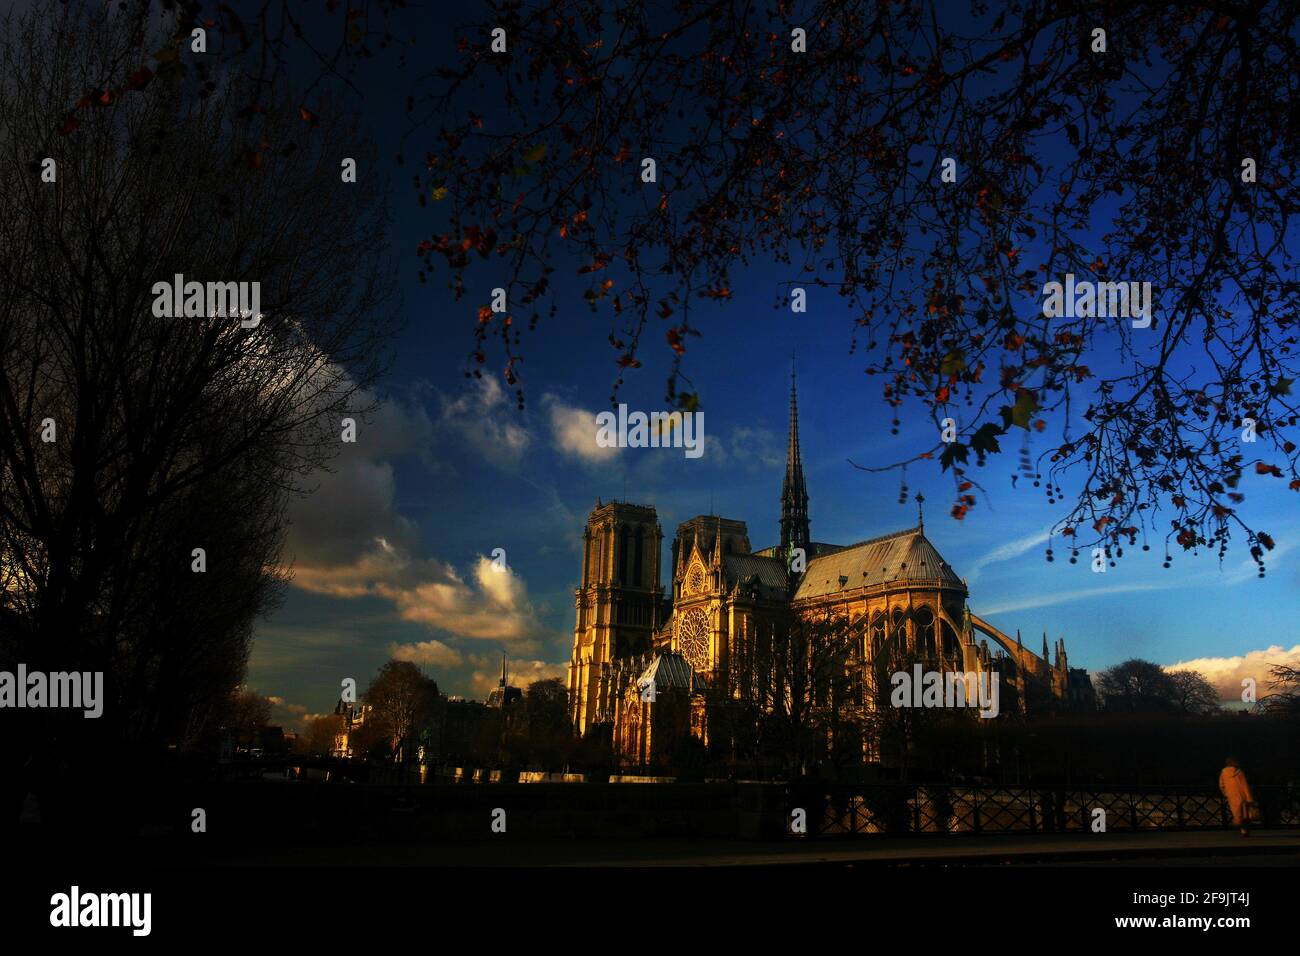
<point>505,695</point>
<point>352,717</point>
<point>461,730</point>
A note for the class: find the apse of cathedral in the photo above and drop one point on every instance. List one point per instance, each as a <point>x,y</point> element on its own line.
<point>648,651</point>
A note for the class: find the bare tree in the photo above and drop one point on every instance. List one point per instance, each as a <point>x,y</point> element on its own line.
<point>797,680</point>
<point>404,703</point>
<point>1193,694</point>
<point>146,459</point>
<point>319,735</point>
<point>1285,699</point>
<point>1136,685</point>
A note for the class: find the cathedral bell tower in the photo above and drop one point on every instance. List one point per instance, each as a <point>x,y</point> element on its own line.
<point>617,603</point>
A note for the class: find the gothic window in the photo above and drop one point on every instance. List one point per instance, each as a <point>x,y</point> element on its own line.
<point>693,639</point>
<point>951,648</point>
<point>877,635</point>
<point>640,548</point>
<point>898,630</point>
<point>695,580</point>
<point>622,556</point>
<point>925,644</point>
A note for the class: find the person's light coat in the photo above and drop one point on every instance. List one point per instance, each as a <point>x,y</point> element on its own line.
<point>1236,790</point>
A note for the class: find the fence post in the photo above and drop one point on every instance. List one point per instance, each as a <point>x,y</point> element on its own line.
<point>975,801</point>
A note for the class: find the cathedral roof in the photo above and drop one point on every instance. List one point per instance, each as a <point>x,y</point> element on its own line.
<point>905,557</point>
<point>669,669</point>
<point>768,573</point>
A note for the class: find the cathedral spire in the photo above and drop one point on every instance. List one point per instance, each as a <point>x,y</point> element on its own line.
<point>794,494</point>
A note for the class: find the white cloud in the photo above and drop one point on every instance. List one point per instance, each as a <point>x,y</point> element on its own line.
<point>353,502</point>
<point>1248,570</point>
<point>1049,598</point>
<point>1227,673</point>
<point>522,673</point>
<point>287,715</point>
<point>1005,552</point>
<point>432,653</point>
<point>574,431</point>
<point>756,446</point>
<point>493,605</point>
<point>486,421</point>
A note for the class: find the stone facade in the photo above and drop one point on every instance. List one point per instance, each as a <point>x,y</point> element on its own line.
<point>645,652</point>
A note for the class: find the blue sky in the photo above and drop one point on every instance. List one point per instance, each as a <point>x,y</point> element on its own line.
<point>468,473</point>
<point>391,552</point>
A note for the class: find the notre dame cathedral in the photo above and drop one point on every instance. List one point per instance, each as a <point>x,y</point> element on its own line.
<point>646,652</point>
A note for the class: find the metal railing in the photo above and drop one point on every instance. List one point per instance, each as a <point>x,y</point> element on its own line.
<point>899,809</point>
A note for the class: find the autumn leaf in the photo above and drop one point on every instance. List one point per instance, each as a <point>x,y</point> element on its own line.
<point>953,364</point>
<point>952,453</point>
<point>985,439</point>
<point>536,153</point>
<point>438,193</point>
<point>70,123</point>
<point>1020,414</point>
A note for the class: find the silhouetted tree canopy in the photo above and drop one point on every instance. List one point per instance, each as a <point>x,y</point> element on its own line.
<point>168,434</point>
<point>1137,686</point>
<point>1193,694</point>
<point>823,170</point>
<point>405,706</point>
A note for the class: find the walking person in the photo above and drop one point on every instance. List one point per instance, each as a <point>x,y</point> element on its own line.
<point>1236,791</point>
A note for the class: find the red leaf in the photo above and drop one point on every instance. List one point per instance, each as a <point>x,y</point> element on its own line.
<point>69,124</point>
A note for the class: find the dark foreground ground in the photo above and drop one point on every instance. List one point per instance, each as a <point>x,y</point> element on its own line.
<point>209,887</point>
<point>1261,848</point>
<point>1272,848</point>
